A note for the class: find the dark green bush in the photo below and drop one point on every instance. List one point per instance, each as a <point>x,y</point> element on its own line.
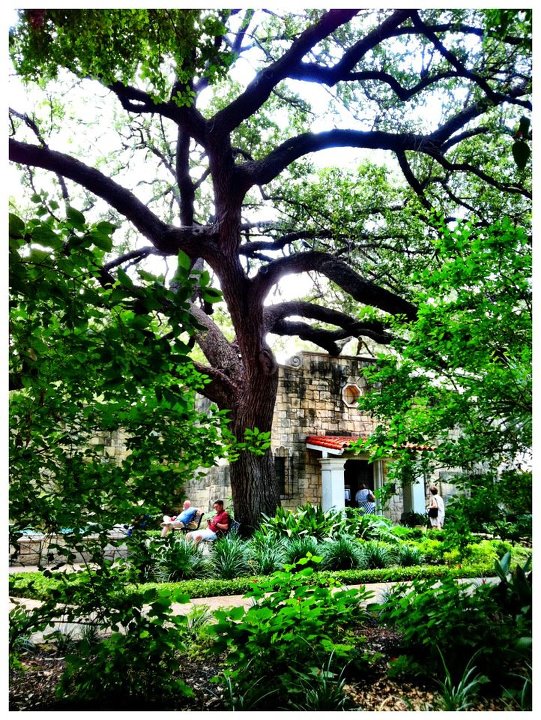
<point>175,558</point>
<point>229,557</point>
<point>459,619</point>
<point>266,557</point>
<point>377,555</point>
<point>111,670</point>
<point>297,548</point>
<point>292,628</point>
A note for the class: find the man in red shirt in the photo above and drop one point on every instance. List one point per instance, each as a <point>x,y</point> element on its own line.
<point>219,522</point>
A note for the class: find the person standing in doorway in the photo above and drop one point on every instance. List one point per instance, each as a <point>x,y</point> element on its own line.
<point>365,499</point>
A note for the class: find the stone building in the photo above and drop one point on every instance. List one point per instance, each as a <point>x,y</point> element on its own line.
<point>316,418</point>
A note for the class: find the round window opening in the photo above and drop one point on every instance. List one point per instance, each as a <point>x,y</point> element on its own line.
<point>350,394</point>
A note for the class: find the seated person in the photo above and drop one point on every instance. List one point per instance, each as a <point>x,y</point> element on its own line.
<point>177,522</point>
<point>220,521</point>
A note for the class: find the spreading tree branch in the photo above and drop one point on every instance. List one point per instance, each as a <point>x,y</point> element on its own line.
<point>340,273</point>
<point>165,238</point>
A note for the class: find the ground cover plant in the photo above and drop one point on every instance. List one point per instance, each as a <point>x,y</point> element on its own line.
<point>340,642</point>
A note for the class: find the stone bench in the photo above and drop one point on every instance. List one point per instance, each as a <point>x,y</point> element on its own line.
<point>39,549</point>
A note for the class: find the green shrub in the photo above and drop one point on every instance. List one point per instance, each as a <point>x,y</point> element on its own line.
<point>432,549</point>
<point>456,696</point>
<point>175,558</point>
<point>291,626</point>
<point>264,557</point>
<point>458,618</point>
<point>39,587</point>
<point>413,519</point>
<point>297,548</point>
<point>343,553</point>
<point>129,670</point>
<point>370,527</point>
<point>307,520</point>
<point>321,690</point>
<point>377,555</point>
<point>407,555</point>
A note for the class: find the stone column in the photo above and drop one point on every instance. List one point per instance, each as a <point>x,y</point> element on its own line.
<point>332,484</point>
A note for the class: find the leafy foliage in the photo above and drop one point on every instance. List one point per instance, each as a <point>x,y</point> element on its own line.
<point>177,559</point>
<point>342,554</point>
<point>457,621</point>
<point>229,557</point>
<point>93,44</point>
<point>462,695</point>
<point>290,627</point>
<point>306,520</point>
<point>460,381</point>
<point>88,360</point>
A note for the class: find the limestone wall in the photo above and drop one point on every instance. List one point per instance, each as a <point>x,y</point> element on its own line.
<point>309,402</point>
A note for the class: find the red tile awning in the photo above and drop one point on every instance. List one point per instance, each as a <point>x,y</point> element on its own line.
<point>332,442</point>
<point>337,444</point>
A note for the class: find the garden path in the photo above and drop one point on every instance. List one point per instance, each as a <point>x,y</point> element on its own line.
<point>213,603</point>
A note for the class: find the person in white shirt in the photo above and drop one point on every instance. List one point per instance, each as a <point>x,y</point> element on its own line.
<point>436,502</point>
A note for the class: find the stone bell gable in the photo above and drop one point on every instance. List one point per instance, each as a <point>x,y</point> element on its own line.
<point>317,396</point>
<point>316,418</point>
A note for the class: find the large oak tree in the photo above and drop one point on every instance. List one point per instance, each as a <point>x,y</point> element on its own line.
<point>227,109</point>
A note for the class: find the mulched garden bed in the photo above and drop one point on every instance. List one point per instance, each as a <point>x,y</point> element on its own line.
<point>34,687</point>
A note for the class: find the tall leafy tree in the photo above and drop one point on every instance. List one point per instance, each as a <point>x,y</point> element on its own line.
<point>227,110</point>
<point>458,378</point>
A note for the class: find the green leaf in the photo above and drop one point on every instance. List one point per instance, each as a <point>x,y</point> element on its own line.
<point>44,235</point>
<point>76,218</point>
<point>101,240</point>
<point>124,278</point>
<point>16,226</point>
<point>184,260</point>
<point>211,295</point>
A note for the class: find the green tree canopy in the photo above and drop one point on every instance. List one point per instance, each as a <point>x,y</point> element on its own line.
<point>458,379</point>
<point>210,150</point>
<point>84,365</point>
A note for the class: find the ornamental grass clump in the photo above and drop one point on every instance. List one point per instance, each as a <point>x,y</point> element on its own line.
<point>264,557</point>
<point>229,557</point>
<point>176,559</point>
<point>377,555</point>
<point>300,547</point>
<point>344,553</point>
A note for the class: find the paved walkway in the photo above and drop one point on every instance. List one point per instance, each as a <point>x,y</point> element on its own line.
<point>213,603</point>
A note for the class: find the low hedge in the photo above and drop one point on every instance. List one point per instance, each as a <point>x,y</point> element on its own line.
<point>39,587</point>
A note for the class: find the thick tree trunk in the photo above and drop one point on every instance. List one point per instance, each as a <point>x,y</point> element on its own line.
<point>253,480</point>
<point>254,488</point>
